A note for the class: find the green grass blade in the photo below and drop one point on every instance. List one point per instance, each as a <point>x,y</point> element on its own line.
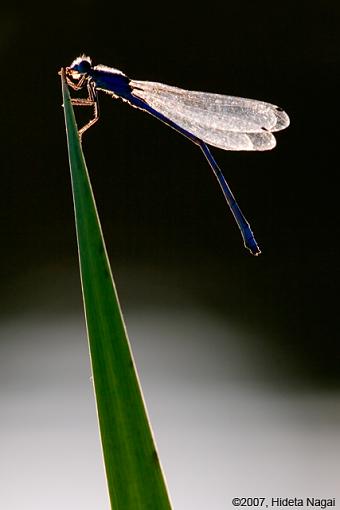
<point>134,476</point>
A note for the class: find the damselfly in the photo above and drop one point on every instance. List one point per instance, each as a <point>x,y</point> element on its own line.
<point>227,122</point>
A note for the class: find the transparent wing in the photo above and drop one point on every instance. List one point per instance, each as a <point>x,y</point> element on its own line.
<point>231,123</point>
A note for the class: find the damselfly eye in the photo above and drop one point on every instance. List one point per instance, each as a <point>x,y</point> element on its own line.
<point>83,66</point>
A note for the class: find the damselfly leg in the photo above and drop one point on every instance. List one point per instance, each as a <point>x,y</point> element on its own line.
<point>90,100</point>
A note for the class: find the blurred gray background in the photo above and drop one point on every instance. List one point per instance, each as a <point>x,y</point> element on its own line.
<point>238,356</point>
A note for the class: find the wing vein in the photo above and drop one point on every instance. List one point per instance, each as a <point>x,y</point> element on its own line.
<point>227,122</point>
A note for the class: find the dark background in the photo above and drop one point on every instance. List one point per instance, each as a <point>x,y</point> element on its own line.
<point>238,355</point>
<point>160,206</point>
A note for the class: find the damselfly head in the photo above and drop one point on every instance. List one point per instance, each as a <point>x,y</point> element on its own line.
<point>81,65</point>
